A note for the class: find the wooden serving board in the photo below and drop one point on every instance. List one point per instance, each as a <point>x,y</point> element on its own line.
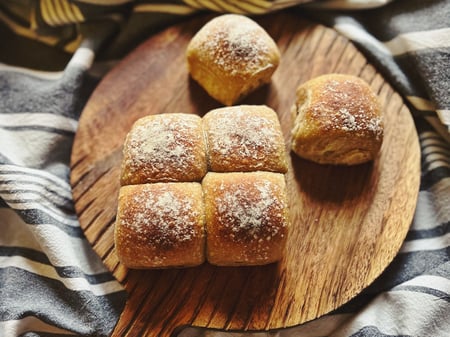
<point>348,223</point>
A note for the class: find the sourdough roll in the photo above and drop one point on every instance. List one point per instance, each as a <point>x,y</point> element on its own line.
<point>246,217</point>
<point>244,138</point>
<point>230,56</point>
<point>338,120</point>
<point>160,225</point>
<point>164,148</point>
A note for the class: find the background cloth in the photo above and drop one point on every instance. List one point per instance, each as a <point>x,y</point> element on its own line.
<point>54,52</point>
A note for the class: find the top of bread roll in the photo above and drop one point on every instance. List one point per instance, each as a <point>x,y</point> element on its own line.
<point>230,56</point>
<point>236,43</point>
<point>164,148</point>
<point>338,120</point>
<point>160,225</point>
<point>244,138</point>
<point>247,217</point>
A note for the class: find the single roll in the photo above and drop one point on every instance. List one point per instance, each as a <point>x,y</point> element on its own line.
<point>244,138</point>
<point>160,225</point>
<point>338,120</point>
<point>231,56</point>
<point>164,148</point>
<point>246,217</point>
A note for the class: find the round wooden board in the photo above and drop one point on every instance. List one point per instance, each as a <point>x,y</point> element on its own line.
<point>348,223</point>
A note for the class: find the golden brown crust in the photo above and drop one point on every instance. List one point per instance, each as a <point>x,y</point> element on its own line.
<point>246,217</point>
<point>160,225</point>
<point>244,138</point>
<point>338,121</point>
<point>164,148</point>
<point>231,56</point>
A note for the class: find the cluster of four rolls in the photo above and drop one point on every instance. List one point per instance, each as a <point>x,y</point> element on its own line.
<point>196,189</point>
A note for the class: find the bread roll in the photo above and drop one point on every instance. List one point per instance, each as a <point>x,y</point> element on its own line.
<point>244,138</point>
<point>164,148</point>
<point>338,121</point>
<point>231,56</point>
<point>160,225</point>
<point>246,217</point>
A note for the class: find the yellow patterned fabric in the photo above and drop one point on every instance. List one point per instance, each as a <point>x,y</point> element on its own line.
<point>62,23</point>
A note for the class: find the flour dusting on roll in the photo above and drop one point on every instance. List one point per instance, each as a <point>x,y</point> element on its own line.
<point>160,225</point>
<point>338,120</point>
<point>232,56</point>
<point>164,148</point>
<point>174,211</point>
<point>244,138</point>
<point>246,217</point>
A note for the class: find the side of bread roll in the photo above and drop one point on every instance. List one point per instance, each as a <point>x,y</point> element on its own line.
<point>246,217</point>
<point>231,56</point>
<point>160,225</point>
<point>244,138</point>
<point>338,120</point>
<point>164,148</point>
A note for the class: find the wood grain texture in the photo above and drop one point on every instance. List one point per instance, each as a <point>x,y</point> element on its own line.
<point>347,222</point>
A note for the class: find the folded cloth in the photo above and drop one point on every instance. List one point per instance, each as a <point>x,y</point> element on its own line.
<point>51,281</point>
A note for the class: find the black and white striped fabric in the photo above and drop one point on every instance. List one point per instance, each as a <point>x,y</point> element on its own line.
<point>53,54</point>
<point>51,282</point>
